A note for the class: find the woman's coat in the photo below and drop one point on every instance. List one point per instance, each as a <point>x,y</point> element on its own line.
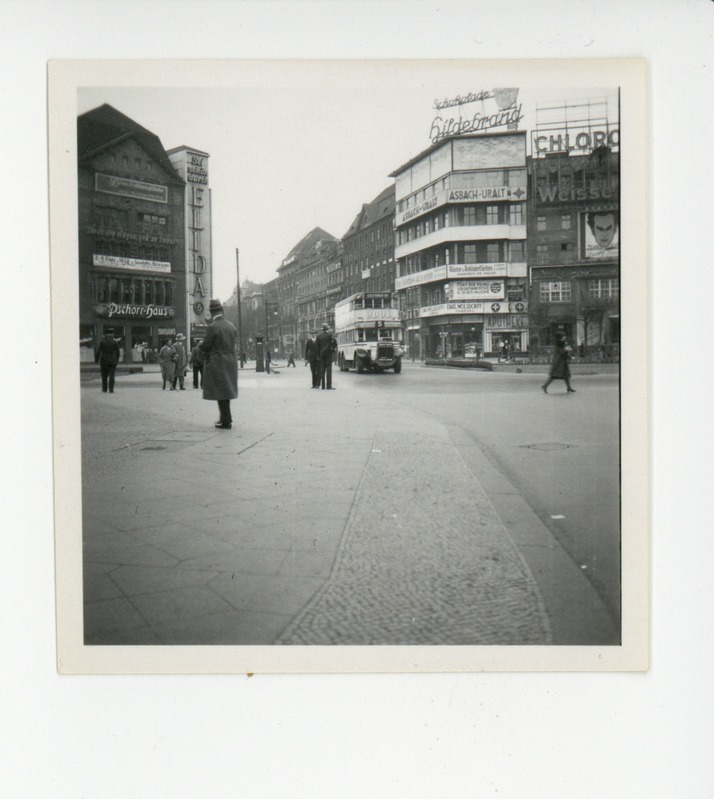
<point>559,368</point>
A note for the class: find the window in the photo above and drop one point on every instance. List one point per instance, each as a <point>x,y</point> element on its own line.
<point>604,289</point>
<point>469,217</point>
<point>540,223</point>
<point>515,212</point>
<point>542,253</point>
<point>565,222</point>
<point>555,292</point>
<point>470,254</point>
<point>493,252</point>
<point>491,214</point>
<point>516,177</point>
<point>517,251</point>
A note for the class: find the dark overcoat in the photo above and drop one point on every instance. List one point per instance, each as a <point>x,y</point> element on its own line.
<point>559,368</point>
<point>311,350</point>
<point>325,345</point>
<point>108,351</point>
<point>220,366</point>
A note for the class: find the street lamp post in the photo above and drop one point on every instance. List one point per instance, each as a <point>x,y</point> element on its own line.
<point>240,314</point>
<point>275,313</point>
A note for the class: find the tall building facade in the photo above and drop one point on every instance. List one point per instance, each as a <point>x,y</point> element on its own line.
<point>460,246</point>
<point>307,287</point>
<point>368,247</point>
<point>574,263</point>
<point>132,261</point>
<point>192,166</point>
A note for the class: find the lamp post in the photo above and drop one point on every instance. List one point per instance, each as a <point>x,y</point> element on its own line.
<point>275,313</point>
<point>240,314</point>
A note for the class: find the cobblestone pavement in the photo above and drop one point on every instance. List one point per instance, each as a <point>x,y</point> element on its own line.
<point>423,560</point>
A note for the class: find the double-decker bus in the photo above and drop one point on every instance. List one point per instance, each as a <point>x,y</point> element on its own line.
<point>369,333</point>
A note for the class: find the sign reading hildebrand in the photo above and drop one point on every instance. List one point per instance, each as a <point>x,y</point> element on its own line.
<point>508,114</point>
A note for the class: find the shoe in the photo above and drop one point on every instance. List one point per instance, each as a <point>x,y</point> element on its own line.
<point>222,426</point>
<point>571,391</point>
<point>332,388</point>
<point>111,390</point>
<point>172,388</point>
<point>182,388</point>
<point>545,390</point>
<point>104,391</point>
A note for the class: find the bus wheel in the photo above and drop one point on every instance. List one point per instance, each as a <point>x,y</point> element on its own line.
<point>397,367</point>
<point>359,366</point>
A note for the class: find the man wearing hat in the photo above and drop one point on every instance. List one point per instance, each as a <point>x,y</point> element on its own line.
<point>220,367</point>
<point>181,364</point>
<point>107,356</point>
<point>326,346</point>
<point>311,358</point>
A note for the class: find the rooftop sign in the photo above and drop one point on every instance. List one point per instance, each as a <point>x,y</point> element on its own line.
<point>508,114</point>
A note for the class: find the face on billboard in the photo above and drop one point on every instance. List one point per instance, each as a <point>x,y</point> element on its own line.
<point>601,234</point>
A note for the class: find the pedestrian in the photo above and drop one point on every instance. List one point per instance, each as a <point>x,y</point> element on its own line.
<point>197,365</point>
<point>291,360</point>
<point>243,359</point>
<point>268,359</point>
<point>326,346</point>
<point>107,356</point>
<point>181,365</point>
<point>559,368</point>
<point>167,359</point>
<point>311,358</point>
<point>220,366</point>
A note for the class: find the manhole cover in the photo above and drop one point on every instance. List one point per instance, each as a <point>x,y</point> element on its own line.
<point>548,446</point>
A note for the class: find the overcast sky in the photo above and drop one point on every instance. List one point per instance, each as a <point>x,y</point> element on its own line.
<point>297,147</point>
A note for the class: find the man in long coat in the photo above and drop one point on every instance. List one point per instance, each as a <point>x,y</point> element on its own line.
<point>326,346</point>
<point>220,367</point>
<point>311,358</point>
<point>108,357</point>
<point>181,363</point>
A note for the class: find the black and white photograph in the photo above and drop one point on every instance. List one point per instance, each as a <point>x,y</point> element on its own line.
<point>348,344</point>
<point>442,573</point>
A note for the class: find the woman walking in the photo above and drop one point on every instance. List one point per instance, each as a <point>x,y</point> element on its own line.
<point>559,368</point>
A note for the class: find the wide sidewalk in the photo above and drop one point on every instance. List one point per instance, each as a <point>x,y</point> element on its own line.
<point>322,517</point>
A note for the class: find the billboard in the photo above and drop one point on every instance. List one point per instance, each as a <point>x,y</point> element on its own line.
<point>600,234</point>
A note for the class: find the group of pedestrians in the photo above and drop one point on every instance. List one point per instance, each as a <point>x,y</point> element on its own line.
<point>320,351</point>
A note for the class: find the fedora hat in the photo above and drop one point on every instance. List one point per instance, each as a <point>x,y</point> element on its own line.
<point>215,305</point>
<point>180,337</point>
